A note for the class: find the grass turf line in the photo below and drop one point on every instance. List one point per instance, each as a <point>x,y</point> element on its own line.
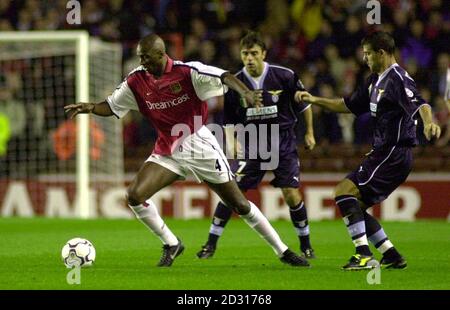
<point>127,254</point>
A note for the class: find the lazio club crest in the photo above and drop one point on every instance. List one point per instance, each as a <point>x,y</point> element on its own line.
<point>175,88</point>
<point>275,95</point>
<point>380,93</point>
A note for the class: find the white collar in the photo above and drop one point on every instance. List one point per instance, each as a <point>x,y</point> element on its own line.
<point>259,79</point>
<point>385,72</point>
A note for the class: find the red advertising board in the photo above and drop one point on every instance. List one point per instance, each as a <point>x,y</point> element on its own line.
<point>422,196</point>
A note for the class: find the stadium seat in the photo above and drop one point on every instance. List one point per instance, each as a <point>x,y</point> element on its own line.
<point>446,164</point>
<point>329,164</point>
<point>428,164</point>
<point>342,150</point>
<point>352,163</point>
<point>306,164</point>
<point>362,149</point>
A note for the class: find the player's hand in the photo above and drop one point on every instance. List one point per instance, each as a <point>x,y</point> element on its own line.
<point>431,131</point>
<point>304,96</point>
<point>254,98</point>
<point>310,141</point>
<point>239,151</point>
<point>234,149</point>
<point>78,108</point>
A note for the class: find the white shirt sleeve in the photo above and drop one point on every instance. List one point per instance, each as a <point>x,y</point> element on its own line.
<point>122,100</point>
<point>206,80</point>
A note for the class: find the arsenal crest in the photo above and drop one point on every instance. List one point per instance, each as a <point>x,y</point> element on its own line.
<point>175,88</point>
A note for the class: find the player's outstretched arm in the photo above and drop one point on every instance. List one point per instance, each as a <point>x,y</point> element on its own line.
<point>431,130</point>
<point>253,98</point>
<point>101,109</point>
<point>310,141</point>
<point>335,105</point>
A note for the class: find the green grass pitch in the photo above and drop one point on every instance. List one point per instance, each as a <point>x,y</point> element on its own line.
<point>127,254</point>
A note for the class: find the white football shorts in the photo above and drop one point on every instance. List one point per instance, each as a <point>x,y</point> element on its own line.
<point>200,155</point>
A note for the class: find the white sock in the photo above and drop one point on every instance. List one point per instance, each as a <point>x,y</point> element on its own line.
<point>148,215</point>
<point>216,230</point>
<point>360,241</point>
<point>386,245</point>
<point>256,220</point>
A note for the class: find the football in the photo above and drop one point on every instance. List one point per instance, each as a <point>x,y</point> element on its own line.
<point>78,252</point>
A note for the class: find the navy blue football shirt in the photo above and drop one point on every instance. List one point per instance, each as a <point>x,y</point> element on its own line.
<point>393,101</point>
<point>279,85</point>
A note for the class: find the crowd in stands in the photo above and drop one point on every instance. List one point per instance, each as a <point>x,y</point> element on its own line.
<point>318,39</point>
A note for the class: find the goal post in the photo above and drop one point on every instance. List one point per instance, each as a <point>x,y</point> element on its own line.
<point>82,95</point>
<point>75,57</point>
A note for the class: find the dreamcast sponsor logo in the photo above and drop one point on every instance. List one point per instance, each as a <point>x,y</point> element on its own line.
<point>167,104</point>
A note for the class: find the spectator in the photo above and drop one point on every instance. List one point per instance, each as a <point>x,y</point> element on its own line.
<point>439,75</point>
<point>336,64</point>
<point>308,16</point>
<point>14,110</point>
<point>442,115</point>
<point>324,39</point>
<point>326,125</point>
<point>5,134</point>
<point>415,48</point>
<point>350,38</point>
<point>25,21</point>
<point>299,34</point>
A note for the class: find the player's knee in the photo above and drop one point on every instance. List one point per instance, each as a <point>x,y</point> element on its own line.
<point>292,201</point>
<point>135,196</point>
<point>342,189</point>
<point>241,207</point>
<point>346,187</point>
<point>339,191</point>
<point>292,197</point>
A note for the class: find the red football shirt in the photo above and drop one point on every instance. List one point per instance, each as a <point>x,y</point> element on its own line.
<point>174,98</point>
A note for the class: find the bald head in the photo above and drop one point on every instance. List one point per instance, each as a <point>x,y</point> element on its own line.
<point>153,42</point>
<point>152,53</point>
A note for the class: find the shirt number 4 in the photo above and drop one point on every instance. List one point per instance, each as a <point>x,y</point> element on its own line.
<point>218,166</point>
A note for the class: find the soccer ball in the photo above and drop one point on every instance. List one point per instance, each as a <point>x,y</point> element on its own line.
<point>78,252</point>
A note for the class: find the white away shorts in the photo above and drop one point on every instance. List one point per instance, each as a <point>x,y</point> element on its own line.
<point>200,155</point>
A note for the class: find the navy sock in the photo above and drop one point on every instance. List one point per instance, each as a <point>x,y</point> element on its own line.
<point>221,217</point>
<point>377,236</point>
<point>372,225</point>
<point>392,254</point>
<point>354,220</point>
<point>299,218</point>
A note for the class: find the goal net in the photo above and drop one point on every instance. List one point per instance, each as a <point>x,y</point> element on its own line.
<point>51,165</point>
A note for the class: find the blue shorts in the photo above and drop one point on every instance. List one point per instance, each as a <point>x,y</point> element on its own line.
<point>381,172</point>
<point>249,174</point>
